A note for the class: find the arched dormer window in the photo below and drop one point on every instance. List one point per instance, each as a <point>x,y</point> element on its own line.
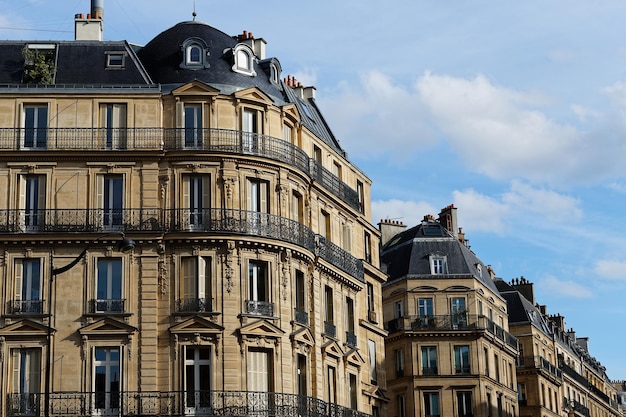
<point>195,54</point>
<point>244,60</point>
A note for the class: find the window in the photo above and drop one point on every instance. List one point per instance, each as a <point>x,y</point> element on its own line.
<point>521,394</point>
<point>329,314</point>
<point>194,54</point>
<point>106,378</point>
<point>332,385</point>
<point>195,285</point>
<point>438,265</point>
<point>489,406</point>
<point>111,198</point>
<point>461,360</point>
<point>497,366</point>
<point>302,375</point>
<point>464,403</point>
<point>367,247</point>
<point>259,301</point>
<point>32,203</point>
<point>425,307</point>
<point>346,236</point>
<point>251,127</point>
<point>301,313</point>
<point>297,207</point>
<point>288,133</point>
<point>336,169</point>
<point>196,202</point>
<point>26,380</point>
<point>401,406</point>
<point>317,154</point>
<point>109,286</point>
<point>398,309</point>
<point>258,196</point>
<point>115,59</point>
<point>27,283</point>
<point>324,226</point>
<point>361,194</point>
<point>486,352</point>
<point>431,404</point>
<point>192,116</point>
<point>352,389</point>
<point>459,312</point>
<point>399,363</point>
<point>113,123</point>
<point>372,354</point>
<point>197,379</point>
<point>350,335</point>
<point>243,60</point>
<point>35,126</point>
<point>429,360</point>
<point>260,370</point>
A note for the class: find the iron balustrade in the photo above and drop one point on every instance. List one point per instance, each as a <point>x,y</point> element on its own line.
<point>539,362</point>
<point>260,308</point>
<point>330,329</point>
<point>107,306</point>
<point>176,139</point>
<point>25,307</point>
<point>576,406</point>
<point>351,339</point>
<point>176,403</point>
<point>430,370</point>
<point>453,322</point>
<point>183,220</point>
<point>462,370</point>
<point>194,305</point>
<point>301,316</point>
<point>571,372</point>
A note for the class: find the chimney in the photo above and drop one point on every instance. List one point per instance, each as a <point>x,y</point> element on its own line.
<point>257,45</point>
<point>525,287</point>
<point>90,28</point>
<point>447,218</point>
<point>559,321</point>
<point>583,342</point>
<point>389,228</point>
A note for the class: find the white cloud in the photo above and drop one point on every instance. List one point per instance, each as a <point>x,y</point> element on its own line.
<point>562,288</point>
<point>611,269</point>
<point>480,212</point>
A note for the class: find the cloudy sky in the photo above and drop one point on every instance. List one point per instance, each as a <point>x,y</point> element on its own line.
<point>513,111</point>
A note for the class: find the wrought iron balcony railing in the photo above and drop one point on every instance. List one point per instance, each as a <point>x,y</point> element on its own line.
<point>194,305</point>
<point>25,307</point>
<point>176,139</point>
<point>430,370</point>
<point>351,339</point>
<point>330,329</point>
<point>107,306</point>
<point>539,362</point>
<point>182,220</point>
<point>578,408</point>
<point>260,308</point>
<point>175,404</point>
<point>301,316</point>
<point>451,322</point>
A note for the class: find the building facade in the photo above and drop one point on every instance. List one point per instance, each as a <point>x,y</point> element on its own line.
<point>448,352</point>
<point>253,286</point>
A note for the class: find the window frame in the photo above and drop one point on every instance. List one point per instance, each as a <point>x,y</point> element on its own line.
<point>39,134</point>
<point>196,284</point>
<point>111,280</point>
<point>243,60</point>
<point>429,357</point>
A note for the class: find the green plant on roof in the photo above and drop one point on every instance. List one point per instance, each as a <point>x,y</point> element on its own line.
<point>38,66</point>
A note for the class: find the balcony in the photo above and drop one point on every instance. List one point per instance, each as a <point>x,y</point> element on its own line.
<point>25,307</point>
<point>176,404</point>
<point>211,221</point>
<point>107,306</point>
<point>351,339</point>
<point>430,370</point>
<point>330,329</point>
<point>260,308</point>
<point>301,316</point>
<point>539,362</point>
<point>194,305</point>
<point>166,139</point>
<point>578,408</point>
<point>451,322</point>
<point>462,370</point>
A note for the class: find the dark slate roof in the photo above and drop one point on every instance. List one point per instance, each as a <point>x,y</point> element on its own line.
<point>407,254</point>
<point>521,310</point>
<point>163,55</point>
<point>77,63</point>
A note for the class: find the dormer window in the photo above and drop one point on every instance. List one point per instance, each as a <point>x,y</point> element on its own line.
<point>195,54</point>
<point>438,265</point>
<point>244,60</point>
<point>115,59</point>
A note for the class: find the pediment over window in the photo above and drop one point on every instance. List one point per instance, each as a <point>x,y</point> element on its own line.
<point>255,95</point>
<point>354,357</point>
<point>195,88</point>
<point>332,348</point>
<point>291,112</point>
<point>458,288</point>
<point>377,393</point>
<point>424,288</point>
<point>261,328</point>
<point>107,327</point>
<point>303,336</point>
<point>25,329</point>
<point>197,325</point>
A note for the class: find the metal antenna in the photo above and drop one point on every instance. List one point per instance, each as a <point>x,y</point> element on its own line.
<point>194,11</point>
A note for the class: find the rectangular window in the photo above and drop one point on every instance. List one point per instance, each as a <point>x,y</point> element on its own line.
<point>197,379</point>
<point>353,391</point>
<point>431,404</point>
<point>401,406</point>
<point>196,201</point>
<point>260,370</point>
<point>302,373</point>
<point>486,352</point>
<point>399,363</point>
<point>300,291</point>
<point>297,207</point>
<point>113,123</point>
<point>398,309</point>
<point>521,394</point>
<point>461,360</point>
<point>195,284</point>
<point>337,169</point>
<point>35,126</point>
<point>459,312</point>
<point>317,154</point>
<point>259,301</point>
<point>425,307</point>
<point>497,366</point>
<point>372,355</point>
<point>324,226</point>
<point>115,59</point>
<point>332,385</point>
<point>28,274</point>
<point>32,203</point>
<point>251,127</point>
<point>288,133</point>
<point>464,403</point>
<point>429,360</point>
<point>109,286</point>
<point>193,125</point>
<point>329,314</point>
<point>26,381</point>
<point>350,334</point>
<point>438,265</point>
<point>367,247</point>
<point>258,200</point>
<point>360,191</point>
<point>106,378</point>
<point>346,237</point>
<point>111,199</point>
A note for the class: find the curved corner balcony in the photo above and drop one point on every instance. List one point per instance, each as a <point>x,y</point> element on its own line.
<point>174,404</point>
<point>207,221</point>
<point>176,139</point>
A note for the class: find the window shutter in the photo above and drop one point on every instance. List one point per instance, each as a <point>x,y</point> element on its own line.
<point>264,203</point>
<point>180,114</point>
<point>41,198</point>
<point>19,276</point>
<point>206,192</point>
<point>202,277</point>
<point>22,202</point>
<point>15,356</point>
<point>251,197</point>
<point>186,192</point>
<point>188,278</point>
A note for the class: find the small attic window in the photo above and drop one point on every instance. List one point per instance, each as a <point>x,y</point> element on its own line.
<point>438,264</point>
<point>115,59</point>
<point>195,54</point>
<point>244,60</point>
<point>274,73</point>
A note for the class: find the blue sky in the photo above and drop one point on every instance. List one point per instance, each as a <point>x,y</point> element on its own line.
<point>513,111</point>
